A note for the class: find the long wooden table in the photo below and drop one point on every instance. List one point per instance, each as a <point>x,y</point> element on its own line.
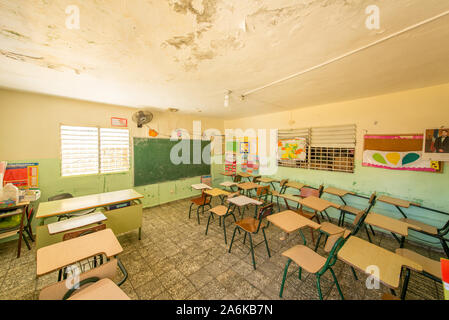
<point>119,220</point>
<point>362,254</point>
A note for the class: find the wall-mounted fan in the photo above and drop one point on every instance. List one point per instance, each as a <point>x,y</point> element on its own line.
<point>142,117</point>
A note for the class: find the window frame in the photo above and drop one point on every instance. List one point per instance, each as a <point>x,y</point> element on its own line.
<point>99,153</point>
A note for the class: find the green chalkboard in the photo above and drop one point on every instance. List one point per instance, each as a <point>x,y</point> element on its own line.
<point>153,164</point>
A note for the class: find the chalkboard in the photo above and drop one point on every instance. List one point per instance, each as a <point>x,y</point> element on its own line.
<point>152,163</point>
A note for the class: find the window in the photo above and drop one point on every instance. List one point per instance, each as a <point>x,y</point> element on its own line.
<point>328,148</point>
<point>114,150</point>
<point>89,150</point>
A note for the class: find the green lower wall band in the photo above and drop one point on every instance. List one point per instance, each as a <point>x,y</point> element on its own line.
<point>428,189</point>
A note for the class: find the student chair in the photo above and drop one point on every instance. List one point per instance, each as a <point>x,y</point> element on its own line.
<point>251,226</point>
<point>237,178</point>
<point>275,193</point>
<point>431,231</point>
<point>431,268</point>
<point>307,192</point>
<point>262,194</point>
<point>200,202</point>
<point>345,209</point>
<point>72,214</point>
<point>256,179</point>
<point>314,263</point>
<point>97,260</point>
<point>222,212</point>
<point>95,284</point>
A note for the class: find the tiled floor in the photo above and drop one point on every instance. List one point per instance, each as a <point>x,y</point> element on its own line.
<point>176,260</point>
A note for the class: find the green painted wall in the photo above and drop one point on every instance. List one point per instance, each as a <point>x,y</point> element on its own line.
<point>51,183</point>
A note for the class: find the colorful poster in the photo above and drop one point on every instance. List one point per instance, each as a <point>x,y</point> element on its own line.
<point>397,152</point>
<point>394,160</point>
<point>292,149</point>
<point>22,175</point>
<point>445,277</point>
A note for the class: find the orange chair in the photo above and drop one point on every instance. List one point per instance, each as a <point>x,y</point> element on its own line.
<point>201,202</point>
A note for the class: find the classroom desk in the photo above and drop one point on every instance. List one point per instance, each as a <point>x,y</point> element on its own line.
<point>63,254</point>
<point>395,226</point>
<point>11,232</point>
<point>75,223</point>
<point>201,186</point>
<point>215,192</point>
<point>245,175</point>
<point>119,220</point>
<point>229,184</point>
<point>268,180</point>
<point>295,185</point>
<point>248,186</point>
<point>242,201</point>
<point>317,204</point>
<point>398,203</point>
<point>361,254</point>
<point>104,289</point>
<point>289,222</point>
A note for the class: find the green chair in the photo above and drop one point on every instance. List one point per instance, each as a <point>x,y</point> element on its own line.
<point>251,226</point>
<point>312,262</point>
<point>222,212</point>
<point>275,193</point>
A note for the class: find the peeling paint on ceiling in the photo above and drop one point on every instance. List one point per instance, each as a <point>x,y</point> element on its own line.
<point>186,53</point>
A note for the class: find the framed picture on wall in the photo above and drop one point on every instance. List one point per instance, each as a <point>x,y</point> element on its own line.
<point>436,144</point>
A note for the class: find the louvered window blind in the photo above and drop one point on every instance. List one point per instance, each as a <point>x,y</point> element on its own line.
<point>328,148</point>
<point>89,150</point>
<point>114,150</point>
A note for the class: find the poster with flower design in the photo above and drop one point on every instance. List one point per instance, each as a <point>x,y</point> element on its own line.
<point>292,149</point>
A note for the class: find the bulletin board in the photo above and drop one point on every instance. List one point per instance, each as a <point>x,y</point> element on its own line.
<point>397,152</point>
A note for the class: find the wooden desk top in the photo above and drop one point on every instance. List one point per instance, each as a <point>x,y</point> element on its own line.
<point>244,174</point>
<point>394,201</point>
<point>248,185</point>
<point>389,224</point>
<point>58,207</point>
<point>215,192</point>
<point>228,174</point>
<point>228,184</point>
<point>337,192</point>
<point>289,221</point>
<point>77,222</point>
<point>361,254</point>
<point>267,180</point>
<point>104,289</point>
<point>241,201</point>
<point>200,186</point>
<point>289,196</point>
<point>295,185</point>
<point>65,253</point>
<point>317,204</point>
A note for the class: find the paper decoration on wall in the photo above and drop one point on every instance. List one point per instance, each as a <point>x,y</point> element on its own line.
<point>445,277</point>
<point>119,122</point>
<point>436,145</point>
<point>153,133</point>
<point>397,152</point>
<point>230,162</point>
<point>207,180</point>
<point>22,175</point>
<point>292,149</point>
<point>253,164</point>
<point>244,147</point>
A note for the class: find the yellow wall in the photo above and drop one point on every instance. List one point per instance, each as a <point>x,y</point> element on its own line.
<point>403,112</point>
<point>29,123</point>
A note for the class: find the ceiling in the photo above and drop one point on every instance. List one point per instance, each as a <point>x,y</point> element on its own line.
<point>186,53</point>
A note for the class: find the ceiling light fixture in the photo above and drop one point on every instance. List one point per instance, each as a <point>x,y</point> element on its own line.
<point>226,98</point>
